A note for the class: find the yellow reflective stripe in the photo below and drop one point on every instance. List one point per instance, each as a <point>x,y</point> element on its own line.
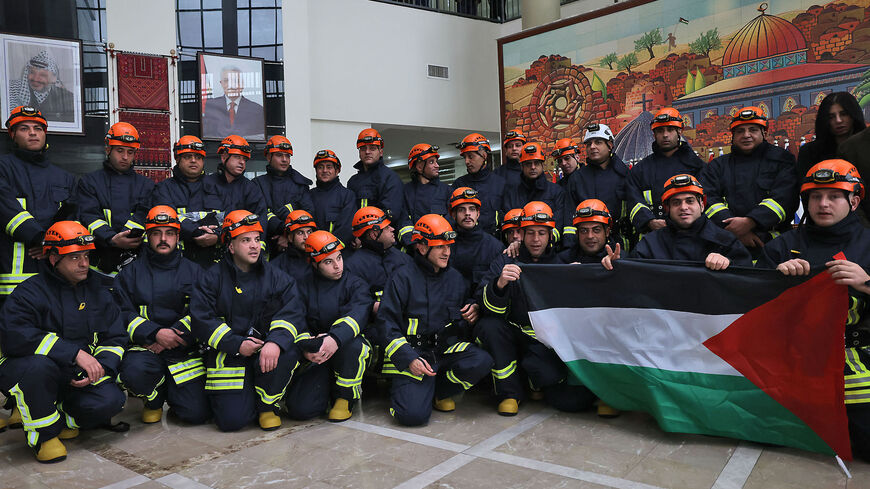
<point>854,362</point>
<point>361,367</point>
<point>180,366</point>
<point>857,396</point>
<point>117,350</point>
<point>854,316</point>
<point>488,305</point>
<point>405,230</point>
<point>46,344</point>
<point>775,207</point>
<point>394,345</point>
<point>135,323</point>
<point>270,215</point>
<point>185,321</point>
<point>154,393</point>
<point>636,209</point>
<point>143,311</point>
<point>350,322</point>
<point>225,372</point>
<point>289,207</point>
<point>97,224</point>
<point>281,324</point>
<point>527,329</point>
<point>506,372</point>
<point>180,211</point>
<point>302,336</point>
<point>389,368</point>
<point>569,230</point>
<point>555,234</point>
<point>458,347</point>
<point>101,380</point>
<point>266,398</point>
<point>16,221</point>
<point>188,375</point>
<point>363,203</point>
<point>130,224</point>
<point>456,380</point>
<point>217,335</point>
<point>412,325</point>
<point>27,420</point>
<point>715,208</point>
<point>224,385</point>
<point>647,196</point>
<point>379,294</point>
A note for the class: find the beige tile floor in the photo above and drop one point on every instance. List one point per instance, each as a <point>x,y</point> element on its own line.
<point>470,448</point>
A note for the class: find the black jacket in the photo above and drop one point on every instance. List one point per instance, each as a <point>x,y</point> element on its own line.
<point>334,206</point>
<point>284,193</point>
<point>694,244</point>
<point>377,186</point>
<point>491,188</point>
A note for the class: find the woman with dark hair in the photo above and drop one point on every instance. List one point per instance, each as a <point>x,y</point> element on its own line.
<point>838,118</point>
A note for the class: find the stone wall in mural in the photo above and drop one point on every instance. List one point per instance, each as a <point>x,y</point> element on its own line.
<point>703,58</point>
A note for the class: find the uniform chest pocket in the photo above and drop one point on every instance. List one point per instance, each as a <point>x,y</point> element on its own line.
<point>58,193</point>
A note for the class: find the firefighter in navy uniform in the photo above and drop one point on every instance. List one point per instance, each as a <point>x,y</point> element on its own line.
<point>423,329</point>
<point>113,201</point>
<point>831,193</point>
<point>32,192</point>
<point>294,260</point>
<point>185,192</point>
<point>510,227</point>
<point>228,189</point>
<point>251,316</point>
<point>63,340</point>
<point>505,331</point>
<point>425,193</point>
<point>534,186</point>
<point>334,204</point>
<point>164,364</point>
<point>594,226</point>
<point>751,192</point>
<point>688,234</point>
<point>489,185</point>
<point>474,249</point>
<point>284,189</point>
<point>670,156</point>
<point>567,156</point>
<point>512,147</point>
<point>374,184</point>
<point>338,307</point>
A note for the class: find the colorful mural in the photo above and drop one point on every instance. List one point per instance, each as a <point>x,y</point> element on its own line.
<point>707,59</point>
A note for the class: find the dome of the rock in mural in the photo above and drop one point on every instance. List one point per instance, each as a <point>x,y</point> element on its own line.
<point>634,141</point>
<point>766,37</point>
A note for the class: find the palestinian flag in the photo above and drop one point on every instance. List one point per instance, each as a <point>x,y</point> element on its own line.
<point>743,353</point>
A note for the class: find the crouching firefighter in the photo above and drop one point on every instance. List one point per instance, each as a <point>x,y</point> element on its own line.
<point>165,362</point>
<point>423,329</point>
<point>62,338</point>
<point>338,307</point>
<point>250,314</point>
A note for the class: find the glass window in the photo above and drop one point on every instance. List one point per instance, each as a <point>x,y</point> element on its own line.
<point>262,27</point>
<point>190,29</point>
<point>188,4</point>
<point>244,27</point>
<point>212,23</point>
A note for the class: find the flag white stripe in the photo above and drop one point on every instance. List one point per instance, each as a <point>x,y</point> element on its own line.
<point>655,338</point>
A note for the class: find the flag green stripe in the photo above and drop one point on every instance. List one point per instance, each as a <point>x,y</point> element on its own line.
<point>687,402</point>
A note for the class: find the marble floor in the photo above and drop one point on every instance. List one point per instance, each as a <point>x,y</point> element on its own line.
<point>472,447</point>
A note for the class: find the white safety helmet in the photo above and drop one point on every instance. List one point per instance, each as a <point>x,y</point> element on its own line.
<point>595,130</point>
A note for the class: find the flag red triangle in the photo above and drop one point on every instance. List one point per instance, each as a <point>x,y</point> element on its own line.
<point>792,348</point>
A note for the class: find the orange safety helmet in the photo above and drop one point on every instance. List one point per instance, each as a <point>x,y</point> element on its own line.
<point>325,155</point>
<point>537,213</point>
<point>189,144</point>
<point>515,135</point>
<point>749,115</point>
<point>24,113</point>
<point>65,237</point>
<point>532,152</point>
<point>123,134</point>
<point>162,216</point>
<point>369,136</point>
<point>239,222</point>
<point>278,144</point>
<point>235,145</point>
<point>565,146</point>
<point>421,152</point>
<point>321,244</point>
<point>369,218</point>
<point>668,116</point>
<point>839,174</point>
<point>512,219</point>
<point>681,183</point>
<point>592,210</point>
<point>474,142</point>
<point>299,219</point>
<point>433,230</point>
<point>464,195</point>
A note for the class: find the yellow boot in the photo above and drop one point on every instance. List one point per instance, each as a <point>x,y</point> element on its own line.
<point>605,411</point>
<point>152,415</point>
<point>508,407</point>
<point>15,419</point>
<point>51,451</point>
<point>68,433</point>
<point>445,405</point>
<point>270,421</point>
<point>340,411</point>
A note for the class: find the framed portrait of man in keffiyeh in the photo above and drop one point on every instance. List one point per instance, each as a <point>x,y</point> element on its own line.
<point>46,74</point>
